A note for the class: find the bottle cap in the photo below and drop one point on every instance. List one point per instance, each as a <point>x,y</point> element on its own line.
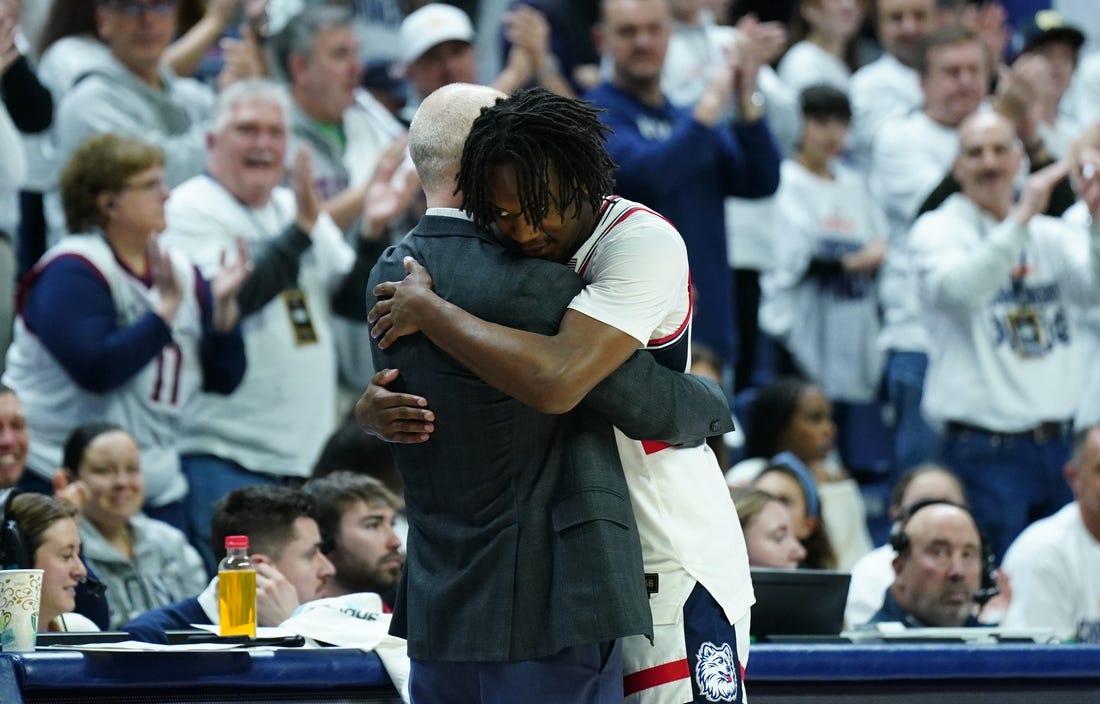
<point>236,541</point>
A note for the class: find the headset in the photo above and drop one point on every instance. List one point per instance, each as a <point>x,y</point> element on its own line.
<point>15,550</point>
<point>899,540</point>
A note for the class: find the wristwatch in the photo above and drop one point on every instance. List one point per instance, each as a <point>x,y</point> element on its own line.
<point>753,108</point>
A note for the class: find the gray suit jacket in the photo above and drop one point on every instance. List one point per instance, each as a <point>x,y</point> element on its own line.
<point>522,540</point>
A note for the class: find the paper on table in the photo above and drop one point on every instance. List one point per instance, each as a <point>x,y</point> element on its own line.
<point>138,646</point>
<point>261,631</point>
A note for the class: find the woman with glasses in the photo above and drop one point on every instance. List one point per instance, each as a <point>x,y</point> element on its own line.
<point>112,328</point>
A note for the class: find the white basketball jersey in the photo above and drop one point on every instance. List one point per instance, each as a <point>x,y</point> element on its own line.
<point>635,264</point>
<point>149,405</point>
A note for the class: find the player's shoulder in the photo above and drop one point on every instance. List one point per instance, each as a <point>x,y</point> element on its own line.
<point>621,216</point>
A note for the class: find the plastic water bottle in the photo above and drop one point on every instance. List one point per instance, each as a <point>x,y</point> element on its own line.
<point>236,589</point>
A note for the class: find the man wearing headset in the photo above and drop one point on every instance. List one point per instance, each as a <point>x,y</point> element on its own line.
<point>938,570</point>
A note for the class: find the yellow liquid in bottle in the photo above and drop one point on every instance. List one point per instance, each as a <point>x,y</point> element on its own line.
<point>237,602</point>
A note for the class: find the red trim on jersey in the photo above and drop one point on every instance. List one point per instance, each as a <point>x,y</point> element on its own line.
<point>656,676</point>
<point>31,276</point>
<point>683,326</point>
<point>607,203</point>
<point>147,278</point>
<point>674,335</point>
<point>653,446</point>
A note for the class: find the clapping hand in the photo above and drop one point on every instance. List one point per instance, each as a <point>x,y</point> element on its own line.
<point>9,18</point>
<point>306,198</point>
<point>1037,189</point>
<point>1087,179</point>
<point>165,282</point>
<point>389,192</point>
<point>227,283</point>
<point>527,30</point>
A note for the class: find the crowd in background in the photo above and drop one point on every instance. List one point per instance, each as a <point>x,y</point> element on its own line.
<point>893,259</point>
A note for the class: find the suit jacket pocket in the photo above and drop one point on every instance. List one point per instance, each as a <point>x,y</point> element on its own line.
<point>592,505</point>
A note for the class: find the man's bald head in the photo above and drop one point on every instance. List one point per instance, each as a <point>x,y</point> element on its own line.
<point>988,160</point>
<point>939,571</point>
<point>438,133</point>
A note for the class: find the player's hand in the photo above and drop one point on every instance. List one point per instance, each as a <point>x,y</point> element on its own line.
<point>394,417</point>
<point>395,313</point>
<point>276,597</point>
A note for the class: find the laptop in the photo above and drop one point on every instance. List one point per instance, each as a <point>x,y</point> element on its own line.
<point>798,605</point>
<point>70,638</point>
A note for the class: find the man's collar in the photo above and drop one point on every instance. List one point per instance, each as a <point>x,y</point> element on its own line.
<point>449,213</point>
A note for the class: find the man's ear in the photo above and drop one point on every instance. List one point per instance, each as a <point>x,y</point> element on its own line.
<point>101,24</point>
<point>1069,471</point>
<point>598,37</point>
<point>897,563</point>
<point>258,558</point>
<point>955,169</point>
<point>296,64</point>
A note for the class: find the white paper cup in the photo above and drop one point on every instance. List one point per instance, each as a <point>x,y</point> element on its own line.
<point>20,596</point>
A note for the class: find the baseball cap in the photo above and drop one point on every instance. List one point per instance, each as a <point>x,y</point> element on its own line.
<point>1049,26</point>
<point>433,24</point>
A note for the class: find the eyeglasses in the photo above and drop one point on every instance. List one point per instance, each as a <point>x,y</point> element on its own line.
<point>152,185</point>
<point>135,8</point>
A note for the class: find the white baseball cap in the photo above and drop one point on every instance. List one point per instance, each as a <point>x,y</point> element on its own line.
<point>433,24</point>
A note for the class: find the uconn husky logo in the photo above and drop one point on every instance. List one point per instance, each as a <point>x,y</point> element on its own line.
<point>716,673</point>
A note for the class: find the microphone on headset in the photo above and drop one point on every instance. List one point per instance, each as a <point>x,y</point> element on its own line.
<point>94,587</point>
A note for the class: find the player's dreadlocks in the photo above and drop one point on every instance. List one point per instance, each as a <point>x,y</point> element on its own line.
<point>537,132</point>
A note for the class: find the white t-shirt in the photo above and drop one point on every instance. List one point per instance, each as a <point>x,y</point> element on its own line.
<point>1088,411</point>
<point>909,158</point>
<point>280,416</point>
<point>1054,570</point>
<point>806,64</point>
<point>830,327</point>
<point>635,264</point>
<point>883,91</point>
<point>147,405</point>
<point>693,52</point>
<point>872,575</point>
<point>1086,90</point>
<point>1006,353</point>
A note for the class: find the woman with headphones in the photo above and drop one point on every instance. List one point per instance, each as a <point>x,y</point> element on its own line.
<point>39,532</point>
